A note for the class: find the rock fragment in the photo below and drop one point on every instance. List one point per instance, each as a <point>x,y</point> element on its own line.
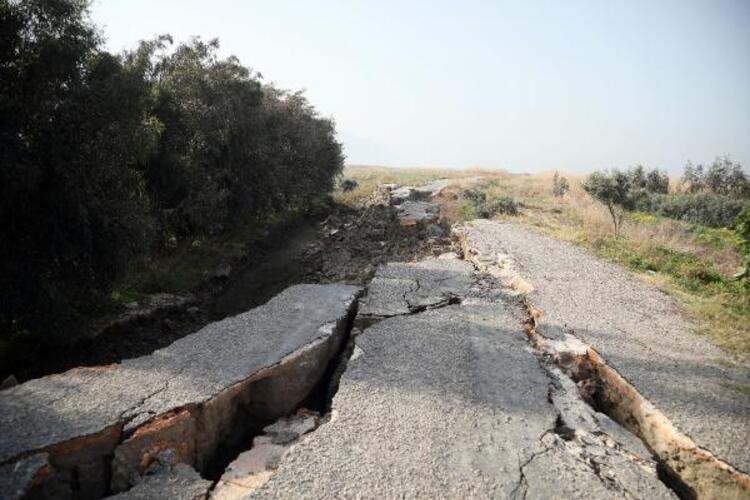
<point>178,482</point>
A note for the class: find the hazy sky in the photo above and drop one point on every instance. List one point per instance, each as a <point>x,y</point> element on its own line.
<point>570,85</point>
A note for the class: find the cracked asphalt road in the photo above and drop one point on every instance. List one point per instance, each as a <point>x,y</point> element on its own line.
<point>638,330</point>
<point>451,402</point>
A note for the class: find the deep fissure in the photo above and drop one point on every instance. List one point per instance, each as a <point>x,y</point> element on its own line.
<point>594,378</point>
<point>318,401</point>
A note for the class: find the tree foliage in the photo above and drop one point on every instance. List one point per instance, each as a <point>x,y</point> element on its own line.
<point>73,130</point>
<point>106,157</point>
<point>615,190</point>
<point>648,181</point>
<point>622,191</point>
<point>723,176</point>
<point>708,209</point>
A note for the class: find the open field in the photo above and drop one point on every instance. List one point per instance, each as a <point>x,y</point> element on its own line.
<point>689,261</point>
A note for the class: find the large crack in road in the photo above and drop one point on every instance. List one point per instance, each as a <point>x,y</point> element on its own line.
<point>451,401</point>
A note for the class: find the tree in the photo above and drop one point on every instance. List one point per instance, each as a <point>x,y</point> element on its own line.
<point>693,177</point>
<point>559,185</point>
<point>637,177</point>
<point>231,147</point>
<point>615,191</point>
<point>657,182</point>
<point>648,181</point>
<point>101,153</point>
<point>74,134</point>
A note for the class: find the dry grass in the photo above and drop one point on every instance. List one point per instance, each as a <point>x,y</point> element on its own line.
<point>369,178</point>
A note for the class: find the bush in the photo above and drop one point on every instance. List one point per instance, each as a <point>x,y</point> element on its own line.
<point>348,185</point>
<point>503,205</point>
<point>475,201</point>
<point>708,209</point>
<point>560,185</point>
<point>742,227</point>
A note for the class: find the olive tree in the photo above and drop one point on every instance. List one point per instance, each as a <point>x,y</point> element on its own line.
<point>615,191</point>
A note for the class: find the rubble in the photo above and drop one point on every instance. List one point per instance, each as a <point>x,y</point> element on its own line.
<point>353,243</point>
<point>253,468</point>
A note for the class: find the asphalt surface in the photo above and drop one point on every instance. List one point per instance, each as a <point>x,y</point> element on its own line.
<point>451,402</point>
<point>637,329</point>
<point>401,288</point>
<point>179,482</point>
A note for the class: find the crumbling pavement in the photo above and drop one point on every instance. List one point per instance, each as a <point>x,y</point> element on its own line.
<point>456,386</point>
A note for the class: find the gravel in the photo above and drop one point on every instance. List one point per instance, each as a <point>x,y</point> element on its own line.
<point>636,328</point>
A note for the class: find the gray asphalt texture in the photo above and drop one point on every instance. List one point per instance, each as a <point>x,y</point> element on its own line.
<point>179,482</point>
<point>450,403</point>
<point>637,329</point>
<point>53,409</point>
<point>400,288</point>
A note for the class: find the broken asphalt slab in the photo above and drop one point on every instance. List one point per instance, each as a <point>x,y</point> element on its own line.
<point>638,331</point>
<point>413,204</point>
<point>447,403</point>
<point>186,397</point>
<point>402,288</point>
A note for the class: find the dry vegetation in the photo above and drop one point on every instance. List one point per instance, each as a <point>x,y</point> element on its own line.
<point>691,262</point>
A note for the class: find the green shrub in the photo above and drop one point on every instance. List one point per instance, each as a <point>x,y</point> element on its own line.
<point>709,209</point>
<point>560,185</point>
<point>348,185</point>
<point>485,209</point>
<point>742,226</point>
<point>503,205</point>
<point>466,210</point>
